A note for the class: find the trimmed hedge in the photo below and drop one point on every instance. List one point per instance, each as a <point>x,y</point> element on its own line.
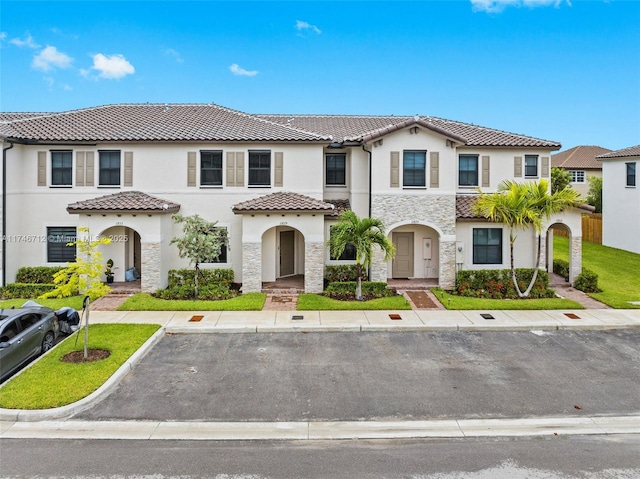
<point>497,283</point>
<point>213,284</point>
<point>25,290</point>
<point>561,267</point>
<point>37,274</point>
<point>347,290</point>
<point>587,281</point>
<point>342,273</point>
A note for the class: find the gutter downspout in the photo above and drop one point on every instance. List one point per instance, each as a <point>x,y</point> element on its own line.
<point>4,214</point>
<point>370,174</point>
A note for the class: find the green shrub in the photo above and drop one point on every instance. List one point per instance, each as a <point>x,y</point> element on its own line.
<point>587,281</point>
<point>498,284</point>
<point>347,290</point>
<point>213,284</point>
<point>180,277</point>
<point>343,272</point>
<point>25,290</point>
<point>561,267</point>
<point>37,274</point>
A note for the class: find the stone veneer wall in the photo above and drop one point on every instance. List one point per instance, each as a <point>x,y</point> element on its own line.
<point>251,267</point>
<point>313,267</point>
<point>150,265</point>
<point>576,258</point>
<point>431,210</point>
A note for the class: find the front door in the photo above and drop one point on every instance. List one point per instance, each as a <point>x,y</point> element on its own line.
<point>402,265</point>
<point>286,253</point>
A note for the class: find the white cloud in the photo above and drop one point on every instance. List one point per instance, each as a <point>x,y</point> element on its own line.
<point>303,26</point>
<point>111,67</point>
<point>170,52</point>
<point>50,58</point>
<point>27,42</point>
<point>237,70</point>
<point>3,35</point>
<point>497,6</point>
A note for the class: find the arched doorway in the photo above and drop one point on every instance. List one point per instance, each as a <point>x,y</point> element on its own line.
<point>283,257</point>
<point>564,240</point>
<point>417,253</point>
<point>125,250</point>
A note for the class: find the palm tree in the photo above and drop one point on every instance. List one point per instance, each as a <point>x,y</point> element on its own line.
<point>363,234</point>
<point>521,206</point>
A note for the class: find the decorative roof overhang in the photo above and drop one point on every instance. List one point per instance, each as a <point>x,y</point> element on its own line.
<point>283,202</point>
<point>124,202</point>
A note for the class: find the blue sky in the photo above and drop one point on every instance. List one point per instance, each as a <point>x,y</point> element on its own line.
<point>561,70</point>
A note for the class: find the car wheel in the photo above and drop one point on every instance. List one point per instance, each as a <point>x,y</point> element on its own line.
<point>47,342</point>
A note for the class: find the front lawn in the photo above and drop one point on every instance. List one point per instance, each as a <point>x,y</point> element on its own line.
<point>74,302</point>
<point>53,383</point>
<point>451,301</point>
<point>618,271</point>
<point>316,302</point>
<point>146,302</point>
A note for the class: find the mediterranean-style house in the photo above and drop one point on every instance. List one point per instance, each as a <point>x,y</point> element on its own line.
<point>582,163</point>
<point>277,183</point>
<point>621,199</point>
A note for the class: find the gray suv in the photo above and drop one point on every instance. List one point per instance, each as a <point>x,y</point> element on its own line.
<point>24,333</point>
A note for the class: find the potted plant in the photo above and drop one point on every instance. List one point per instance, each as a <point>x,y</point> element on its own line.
<point>108,272</point>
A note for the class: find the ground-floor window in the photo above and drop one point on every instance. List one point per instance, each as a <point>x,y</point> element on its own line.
<point>58,248</point>
<point>222,257</point>
<point>487,246</point>
<point>349,253</point>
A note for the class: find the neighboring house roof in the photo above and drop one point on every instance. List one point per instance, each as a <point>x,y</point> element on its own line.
<point>283,202</point>
<point>126,202</point>
<point>631,151</point>
<point>579,157</point>
<point>209,122</point>
<point>155,122</point>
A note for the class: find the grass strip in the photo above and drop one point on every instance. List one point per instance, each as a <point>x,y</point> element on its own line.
<point>451,301</point>
<point>53,383</point>
<point>74,302</point>
<point>146,302</point>
<point>316,302</point>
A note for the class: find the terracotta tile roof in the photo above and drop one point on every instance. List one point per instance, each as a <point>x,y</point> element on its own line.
<point>464,211</point>
<point>581,157</point>
<point>631,151</point>
<point>124,201</point>
<point>340,206</point>
<point>356,128</point>
<point>283,201</point>
<point>464,208</point>
<point>155,122</point>
<point>202,122</point>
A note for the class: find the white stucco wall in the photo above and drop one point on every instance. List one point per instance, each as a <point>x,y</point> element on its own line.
<point>620,205</point>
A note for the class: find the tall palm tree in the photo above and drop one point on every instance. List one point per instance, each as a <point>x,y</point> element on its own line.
<point>363,234</point>
<point>522,206</point>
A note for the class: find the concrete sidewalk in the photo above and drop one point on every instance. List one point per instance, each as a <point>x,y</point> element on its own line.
<point>54,423</point>
<point>361,321</point>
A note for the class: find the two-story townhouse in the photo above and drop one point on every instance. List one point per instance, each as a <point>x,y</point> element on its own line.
<point>621,199</point>
<point>276,183</point>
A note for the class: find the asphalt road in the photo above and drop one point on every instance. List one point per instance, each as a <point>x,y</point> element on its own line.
<point>579,457</point>
<point>367,376</point>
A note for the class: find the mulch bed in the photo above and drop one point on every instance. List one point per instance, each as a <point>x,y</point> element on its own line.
<point>77,357</point>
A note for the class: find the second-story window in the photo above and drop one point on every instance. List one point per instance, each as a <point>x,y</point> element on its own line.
<point>260,168</point>
<point>109,164</point>
<point>211,168</point>
<point>414,168</point>
<point>468,170</point>
<point>631,174</point>
<point>61,168</point>
<point>335,168</point>
<point>531,165</point>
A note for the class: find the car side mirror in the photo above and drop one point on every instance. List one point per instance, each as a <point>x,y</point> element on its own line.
<point>4,344</point>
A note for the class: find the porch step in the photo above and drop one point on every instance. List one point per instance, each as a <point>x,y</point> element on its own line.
<point>283,291</point>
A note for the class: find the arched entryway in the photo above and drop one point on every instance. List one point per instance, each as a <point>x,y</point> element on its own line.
<point>283,254</point>
<point>125,250</point>
<point>417,252</point>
